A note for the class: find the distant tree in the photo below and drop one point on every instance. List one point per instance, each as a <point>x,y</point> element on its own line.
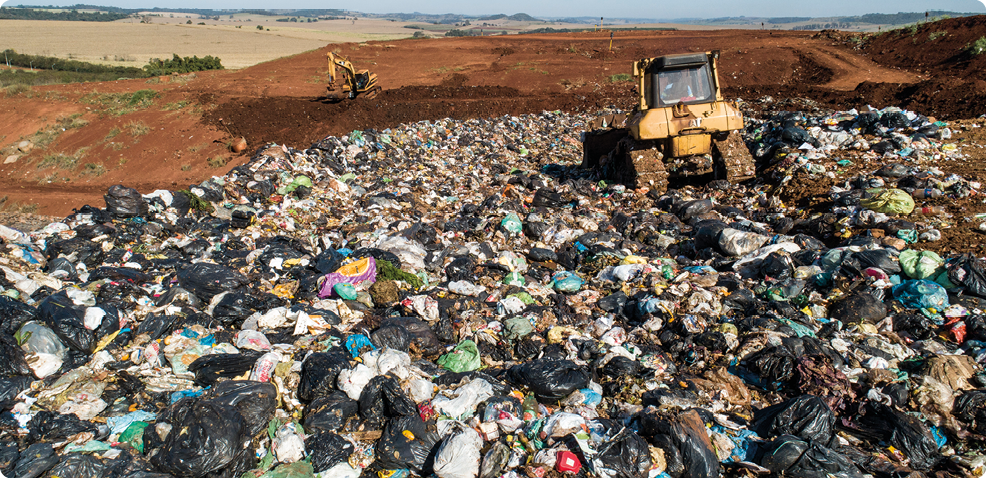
<point>188,22</point>
<point>260,27</point>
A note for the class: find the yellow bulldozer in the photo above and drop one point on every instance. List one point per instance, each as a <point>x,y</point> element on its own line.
<point>354,83</point>
<point>682,127</point>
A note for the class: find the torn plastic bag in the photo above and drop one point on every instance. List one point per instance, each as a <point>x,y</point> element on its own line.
<point>329,412</point>
<point>327,449</point>
<point>10,388</point>
<point>406,442</point>
<point>787,455</point>
<point>319,373</point>
<point>212,368</point>
<point>544,197</point>
<point>233,307</point>
<point>889,201</point>
<point>360,274</point>
<point>626,455</point>
<point>423,337</point>
<point>806,417</point>
<point>382,398</point>
<point>255,401</point>
<point>125,202</point>
<point>550,380</point>
<point>688,451</point>
<point>78,464</point>
<point>876,422</point>
<point>773,367</point>
<point>458,455</point>
<point>206,280</point>
<point>156,326</point>
<point>205,437</point>
<point>859,307</point>
<point>8,458</point>
<point>463,358</point>
<point>880,258</point>
<point>969,272</point>
<point>393,336</point>
<point>970,407</point>
<point>921,294</point>
<point>67,320</point>
<point>35,460</point>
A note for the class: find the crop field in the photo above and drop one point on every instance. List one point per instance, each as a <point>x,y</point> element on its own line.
<point>132,44</point>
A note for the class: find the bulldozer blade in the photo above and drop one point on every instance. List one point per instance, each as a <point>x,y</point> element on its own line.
<point>733,159</point>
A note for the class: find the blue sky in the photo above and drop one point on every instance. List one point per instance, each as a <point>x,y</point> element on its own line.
<point>574,8</point>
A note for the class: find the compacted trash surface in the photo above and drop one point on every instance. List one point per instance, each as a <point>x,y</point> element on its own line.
<point>460,299</point>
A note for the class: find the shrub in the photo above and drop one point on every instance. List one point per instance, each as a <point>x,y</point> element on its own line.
<point>619,77</point>
<point>977,47</point>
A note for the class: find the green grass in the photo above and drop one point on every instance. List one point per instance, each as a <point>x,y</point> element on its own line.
<point>118,104</point>
<point>620,77</point>
<point>977,47</point>
<point>176,105</point>
<point>217,162</point>
<point>93,169</point>
<point>17,89</point>
<point>58,160</point>
<point>6,205</point>
<point>936,35</point>
<point>111,134</point>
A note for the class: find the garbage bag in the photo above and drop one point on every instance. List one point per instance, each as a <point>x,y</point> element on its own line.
<point>625,455</point>
<point>78,464</point>
<point>256,401</point>
<point>686,210</point>
<point>50,426</point>
<point>859,307</point>
<point>8,458</point>
<point>773,366</point>
<point>789,456</point>
<point>233,308</point>
<point>125,202</point>
<point>382,398</point>
<point>734,242</point>
<point>67,320</point>
<point>876,422</point>
<point>895,201</point>
<point>35,460</point>
<point>207,280</point>
<point>394,336</point>
<point>355,273</point>
<point>806,417</point>
<point>969,272</point>
<point>920,264</point>
<point>881,259</point>
<point>327,449</point>
<point>329,412</point>
<point>319,373</point>
<point>921,294</point>
<point>464,358</point>
<point>970,407</point>
<point>406,442</point>
<point>423,337</point>
<point>205,437</point>
<point>687,448</point>
<point>12,360</point>
<point>14,314</point>
<point>550,380</point>
<point>212,368</point>
<point>10,388</point>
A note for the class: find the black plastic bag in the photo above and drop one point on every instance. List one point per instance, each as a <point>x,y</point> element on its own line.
<point>688,451</point>
<point>537,254</point>
<point>550,380</point>
<point>406,442</point>
<point>880,258</point>
<point>78,464</point>
<point>35,460</point>
<point>156,326</point>
<point>8,458</point>
<point>327,449</point>
<point>859,307</point>
<point>233,308</point>
<point>319,373</point>
<point>423,337</point>
<point>14,314</point>
<point>686,210</point>
<point>876,422</point>
<point>788,455</point>
<point>382,398</point>
<point>773,365</point>
<point>206,280</point>
<point>329,412</point>
<point>66,319</point>
<point>50,426</point>
<point>547,198</point>
<point>969,272</point>
<point>212,368</point>
<point>806,417</point>
<point>394,336</point>
<point>205,437</point>
<point>122,201</point>
<point>10,387</point>
<point>970,407</point>
<point>12,361</point>
<point>256,401</point>
<point>777,266</point>
<point>626,455</point>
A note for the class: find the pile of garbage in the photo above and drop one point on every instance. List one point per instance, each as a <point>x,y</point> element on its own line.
<point>456,298</point>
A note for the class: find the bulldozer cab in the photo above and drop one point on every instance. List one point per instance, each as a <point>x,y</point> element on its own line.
<point>683,86</point>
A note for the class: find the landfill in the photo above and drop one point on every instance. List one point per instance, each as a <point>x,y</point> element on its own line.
<point>458,298</point>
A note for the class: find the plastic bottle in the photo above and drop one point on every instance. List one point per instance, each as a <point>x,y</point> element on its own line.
<point>926,193</point>
<point>530,406</point>
<point>929,211</point>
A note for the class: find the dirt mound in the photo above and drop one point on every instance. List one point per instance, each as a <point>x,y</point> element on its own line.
<point>936,47</point>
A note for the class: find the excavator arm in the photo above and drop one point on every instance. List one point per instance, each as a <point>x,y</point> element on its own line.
<point>355,83</point>
<point>338,61</point>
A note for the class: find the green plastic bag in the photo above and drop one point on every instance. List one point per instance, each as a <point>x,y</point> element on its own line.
<point>298,469</point>
<point>516,328</point>
<point>464,358</point>
<point>344,290</point>
<point>889,201</point>
<point>514,278</point>
<point>134,435</point>
<point>512,224</point>
<point>921,264</point>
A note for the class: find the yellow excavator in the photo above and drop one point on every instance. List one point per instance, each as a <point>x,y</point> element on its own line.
<point>682,127</point>
<point>354,83</point>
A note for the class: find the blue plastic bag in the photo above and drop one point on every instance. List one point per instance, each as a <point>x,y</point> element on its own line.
<point>921,294</point>
<point>356,343</point>
<point>565,281</point>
